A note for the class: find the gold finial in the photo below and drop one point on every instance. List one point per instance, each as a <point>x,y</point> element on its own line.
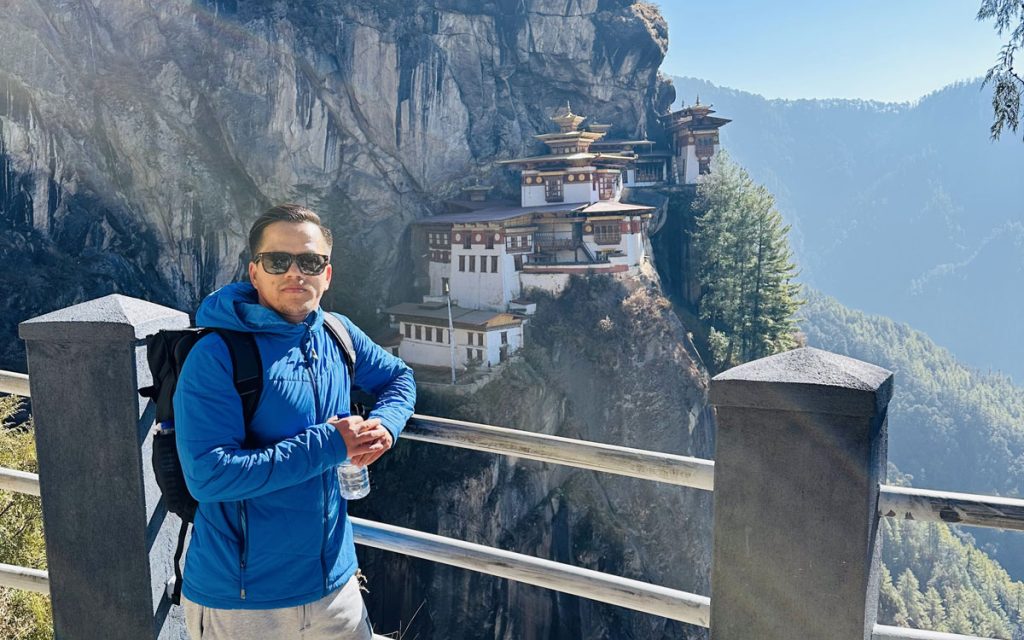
<point>566,119</point>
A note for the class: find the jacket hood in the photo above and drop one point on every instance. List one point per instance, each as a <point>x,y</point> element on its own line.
<point>237,307</point>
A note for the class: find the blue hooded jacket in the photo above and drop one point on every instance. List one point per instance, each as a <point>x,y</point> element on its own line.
<point>271,529</point>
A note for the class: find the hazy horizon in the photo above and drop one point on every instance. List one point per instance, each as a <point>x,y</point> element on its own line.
<point>904,103</point>
<point>885,52</point>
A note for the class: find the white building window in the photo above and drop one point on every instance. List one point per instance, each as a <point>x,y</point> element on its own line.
<point>553,189</point>
<point>607,233</point>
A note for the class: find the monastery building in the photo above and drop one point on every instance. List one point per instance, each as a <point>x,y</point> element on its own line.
<point>483,255</point>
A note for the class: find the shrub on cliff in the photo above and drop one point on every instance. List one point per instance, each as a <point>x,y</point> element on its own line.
<point>23,615</point>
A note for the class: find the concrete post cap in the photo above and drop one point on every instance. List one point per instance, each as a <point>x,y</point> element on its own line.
<point>112,318</point>
<point>805,380</point>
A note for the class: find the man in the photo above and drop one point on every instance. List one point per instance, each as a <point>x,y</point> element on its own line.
<point>271,554</point>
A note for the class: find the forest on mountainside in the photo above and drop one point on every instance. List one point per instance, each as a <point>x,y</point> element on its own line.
<point>907,210</point>
<point>950,427</point>
<point>935,579</point>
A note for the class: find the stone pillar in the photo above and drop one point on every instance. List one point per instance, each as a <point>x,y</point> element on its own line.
<point>109,542</point>
<point>800,451</point>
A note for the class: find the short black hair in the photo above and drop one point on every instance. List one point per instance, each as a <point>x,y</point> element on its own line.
<point>287,212</point>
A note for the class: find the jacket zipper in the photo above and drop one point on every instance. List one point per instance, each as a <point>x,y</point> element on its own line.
<point>243,554</point>
<point>309,360</point>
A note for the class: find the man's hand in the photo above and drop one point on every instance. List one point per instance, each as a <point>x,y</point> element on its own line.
<point>365,440</point>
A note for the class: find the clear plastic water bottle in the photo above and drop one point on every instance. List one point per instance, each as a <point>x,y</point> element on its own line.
<point>354,480</point>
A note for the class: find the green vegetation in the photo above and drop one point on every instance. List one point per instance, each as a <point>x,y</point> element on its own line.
<point>23,615</point>
<point>746,270</point>
<point>1008,84</point>
<point>950,428</point>
<point>881,218</point>
<point>944,583</point>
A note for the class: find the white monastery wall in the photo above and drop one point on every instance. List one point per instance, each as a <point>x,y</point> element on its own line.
<point>553,282</point>
<point>476,345</point>
<point>431,354</point>
<point>437,271</point>
<point>692,166</point>
<point>480,287</point>
<point>578,192</point>
<point>509,278</point>
<point>533,196</point>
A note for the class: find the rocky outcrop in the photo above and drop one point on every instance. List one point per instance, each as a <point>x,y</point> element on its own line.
<point>152,134</point>
<point>605,362</point>
<point>139,140</point>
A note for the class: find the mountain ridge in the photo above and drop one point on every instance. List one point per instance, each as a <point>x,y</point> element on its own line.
<point>907,210</point>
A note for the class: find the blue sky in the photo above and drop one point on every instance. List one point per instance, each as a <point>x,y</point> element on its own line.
<point>889,50</point>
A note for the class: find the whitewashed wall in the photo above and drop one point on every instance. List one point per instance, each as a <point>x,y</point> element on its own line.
<point>483,290</point>
<point>429,353</point>
<point>553,282</point>
<point>437,271</point>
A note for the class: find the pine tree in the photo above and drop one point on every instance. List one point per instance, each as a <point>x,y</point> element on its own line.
<point>748,294</point>
<point>1005,77</point>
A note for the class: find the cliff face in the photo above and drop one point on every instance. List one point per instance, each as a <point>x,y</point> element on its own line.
<point>141,139</point>
<point>606,362</point>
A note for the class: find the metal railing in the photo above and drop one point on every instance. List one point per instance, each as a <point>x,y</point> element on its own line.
<point>637,463</point>
<point>633,594</point>
<point>595,585</point>
<point>883,632</point>
<point>924,505</point>
<point>895,502</point>
<point>14,383</point>
<point>19,481</point>
<point>24,578</point>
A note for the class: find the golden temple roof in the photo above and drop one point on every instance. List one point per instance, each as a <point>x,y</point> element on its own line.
<point>567,120</point>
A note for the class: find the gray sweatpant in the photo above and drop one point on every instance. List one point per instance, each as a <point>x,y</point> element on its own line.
<point>341,615</point>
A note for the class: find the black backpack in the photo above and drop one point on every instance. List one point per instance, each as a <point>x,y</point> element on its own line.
<point>166,353</point>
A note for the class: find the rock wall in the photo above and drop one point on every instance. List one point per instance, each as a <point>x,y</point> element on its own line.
<point>605,362</point>
<point>151,134</point>
<point>139,140</point>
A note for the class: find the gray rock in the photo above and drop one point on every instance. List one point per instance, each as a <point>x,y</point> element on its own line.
<point>182,120</point>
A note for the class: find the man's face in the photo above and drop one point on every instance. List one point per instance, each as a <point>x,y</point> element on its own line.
<point>292,294</point>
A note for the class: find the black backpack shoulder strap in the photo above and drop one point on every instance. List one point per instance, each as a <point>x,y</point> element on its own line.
<point>341,336</point>
<point>248,368</point>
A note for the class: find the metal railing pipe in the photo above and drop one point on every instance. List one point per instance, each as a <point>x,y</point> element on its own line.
<point>14,383</point>
<point>19,481</point>
<point>24,578</point>
<point>636,463</point>
<point>882,632</point>
<point>624,592</point>
<point>924,505</point>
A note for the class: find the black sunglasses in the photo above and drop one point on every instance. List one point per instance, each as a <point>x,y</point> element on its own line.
<point>278,262</point>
